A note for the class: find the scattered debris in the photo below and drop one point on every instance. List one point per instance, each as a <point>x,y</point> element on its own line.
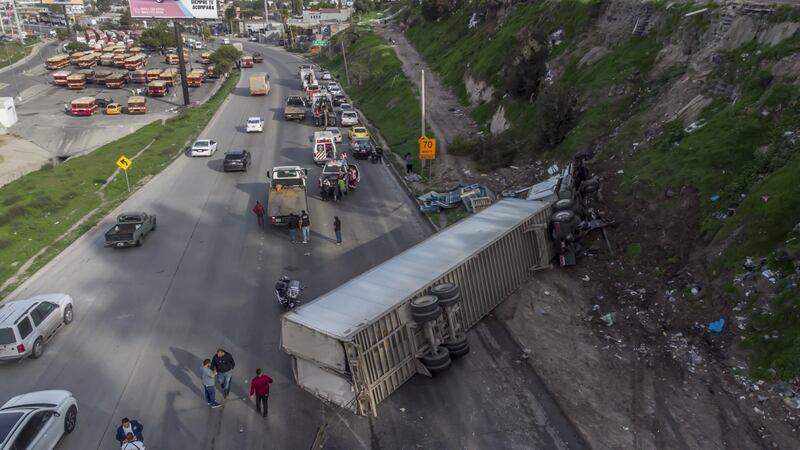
<point>715,198</point>
<point>716,326</point>
<point>608,319</point>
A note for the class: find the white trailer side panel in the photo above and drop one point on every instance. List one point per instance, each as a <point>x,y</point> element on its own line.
<point>312,345</point>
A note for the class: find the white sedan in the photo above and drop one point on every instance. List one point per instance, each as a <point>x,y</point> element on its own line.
<point>37,420</point>
<point>335,90</point>
<point>349,118</point>
<point>326,76</point>
<point>204,147</point>
<point>336,132</point>
<point>255,125</point>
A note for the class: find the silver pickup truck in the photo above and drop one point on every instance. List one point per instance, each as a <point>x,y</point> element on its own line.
<point>130,229</point>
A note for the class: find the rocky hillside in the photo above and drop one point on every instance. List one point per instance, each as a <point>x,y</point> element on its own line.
<point>690,113</point>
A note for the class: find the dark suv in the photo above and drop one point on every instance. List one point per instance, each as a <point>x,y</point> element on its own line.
<point>236,160</point>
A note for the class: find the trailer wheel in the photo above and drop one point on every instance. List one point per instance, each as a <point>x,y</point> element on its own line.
<point>445,291</point>
<point>590,182</point>
<point>563,223</point>
<point>424,304</point>
<point>564,204</point>
<point>426,316</point>
<point>458,353</point>
<point>589,189</point>
<point>456,342</point>
<point>440,368</point>
<point>437,360</point>
<point>450,301</point>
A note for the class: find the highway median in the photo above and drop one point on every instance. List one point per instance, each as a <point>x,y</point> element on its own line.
<point>43,212</point>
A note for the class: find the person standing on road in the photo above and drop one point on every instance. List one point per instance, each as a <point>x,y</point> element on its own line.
<point>305,226</point>
<point>222,363</point>
<point>259,387</point>
<point>131,443</point>
<point>129,426</point>
<point>209,383</point>
<point>259,210</point>
<point>337,228</point>
<point>409,163</point>
<point>342,188</point>
<point>292,225</point>
<point>323,191</point>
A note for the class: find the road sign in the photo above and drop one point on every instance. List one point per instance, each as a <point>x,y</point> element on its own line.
<point>427,148</point>
<point>124,163</point>
<point>320,43</point>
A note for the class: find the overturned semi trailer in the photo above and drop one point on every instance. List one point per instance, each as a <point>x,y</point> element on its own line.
<point>358,343</point>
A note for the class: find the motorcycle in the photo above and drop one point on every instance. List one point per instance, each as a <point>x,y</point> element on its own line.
<point>288,292</point>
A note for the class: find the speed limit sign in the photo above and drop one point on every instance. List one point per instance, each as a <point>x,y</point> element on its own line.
<point>427,148</point>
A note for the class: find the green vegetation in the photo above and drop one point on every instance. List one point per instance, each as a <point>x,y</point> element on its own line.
<point>775,338</point>
<point>75,46</point>
<point>11,52</point>
<point>38,208</point>
<point>636,55</point>
<point>378,88</point>
<point>225,58</point>
<point>159,36</point>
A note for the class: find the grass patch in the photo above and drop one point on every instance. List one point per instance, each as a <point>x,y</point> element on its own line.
<point>637,55</point>
<point>11,52</point>
<point>379,89</point>
<point>774,338</point>
<point>633,250</point>
<point>41,206</point>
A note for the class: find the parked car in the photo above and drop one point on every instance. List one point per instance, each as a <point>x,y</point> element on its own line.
<point>336,132</point>
<point>236,160</point>
<point>102,102</point>
<point>255,125</point>
<point>204,147</point>
<point>349,118</point>
<point>226,41</point>
<point>113,109</point>
<point>37,420</point>
<point>130,229</point>
<point>253,38</point>
<point>27,325</point>
<point>361,148</point>
<point>359,133</point>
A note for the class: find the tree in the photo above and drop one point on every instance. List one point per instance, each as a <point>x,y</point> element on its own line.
<point>224,58</point>
<point>160,36</point>
<point>205,34</point>
<point>125,21</point>
<point>75,46</point>
<point>363,6</point>
<point>297,7</point>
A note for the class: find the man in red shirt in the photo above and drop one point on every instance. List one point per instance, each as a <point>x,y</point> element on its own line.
<point>259,388</point>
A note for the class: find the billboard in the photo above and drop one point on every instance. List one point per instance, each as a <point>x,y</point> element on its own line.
<point>174,9</point>
<point>62,2</point>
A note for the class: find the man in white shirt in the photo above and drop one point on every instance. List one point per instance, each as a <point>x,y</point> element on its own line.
<point>131,443</point>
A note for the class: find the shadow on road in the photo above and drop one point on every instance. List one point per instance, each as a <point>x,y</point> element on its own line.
<point>185,369</point>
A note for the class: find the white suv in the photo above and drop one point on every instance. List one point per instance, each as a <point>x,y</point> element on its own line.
<point>26,325</point>
<point>37,420</point>
<point>255,125</point>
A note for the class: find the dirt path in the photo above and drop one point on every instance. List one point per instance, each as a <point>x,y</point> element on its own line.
<point>445,115</point>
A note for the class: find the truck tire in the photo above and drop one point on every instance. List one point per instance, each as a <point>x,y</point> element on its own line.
<point>423,317</point>
<point>444,291</point>
<point>459,352</point>
<point>154,224</point>
<point>424,304</point>
<point>456,342</point>
<point>563,223</point>
<point>564,204</point>
<point>450,301</point>
<point>437,360</point>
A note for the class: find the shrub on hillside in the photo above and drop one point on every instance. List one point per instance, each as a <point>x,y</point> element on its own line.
<point>554,116</point>
<point>488,153</point>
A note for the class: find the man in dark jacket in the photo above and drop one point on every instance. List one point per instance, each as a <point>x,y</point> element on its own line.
<point>293,224</point>
<point>259,388</point>
<point>223,363</point>
<point>129,426</point>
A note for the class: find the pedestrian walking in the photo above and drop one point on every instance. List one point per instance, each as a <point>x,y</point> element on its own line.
<point>131,443</point>
<point>259,210</point>
<point>337,228</point>
<point>292,225</point>
<point>409,163</point>
<point>129,427</point>
<point>259,388</point>
<point>222,363</point>
<point>209,383</point>
<point>305,226</point>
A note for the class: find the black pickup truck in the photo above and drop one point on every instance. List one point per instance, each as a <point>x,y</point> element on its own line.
<point>130,229</point>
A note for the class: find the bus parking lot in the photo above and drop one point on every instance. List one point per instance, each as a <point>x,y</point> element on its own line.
<point>45,122</point>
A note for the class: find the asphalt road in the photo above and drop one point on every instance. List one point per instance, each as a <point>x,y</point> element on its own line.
<point>146,317</point>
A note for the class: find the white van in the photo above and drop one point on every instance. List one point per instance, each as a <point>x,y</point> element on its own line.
<point>26,325</point>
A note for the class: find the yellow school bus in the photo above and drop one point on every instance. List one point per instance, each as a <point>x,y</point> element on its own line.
<point>137,105</point>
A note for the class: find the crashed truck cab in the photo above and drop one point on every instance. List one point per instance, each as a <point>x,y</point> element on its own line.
<point>358,343</point>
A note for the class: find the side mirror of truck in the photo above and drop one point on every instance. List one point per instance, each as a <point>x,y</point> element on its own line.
<point>268,174</point>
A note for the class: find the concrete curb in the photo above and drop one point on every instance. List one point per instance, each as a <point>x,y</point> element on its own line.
<point>34,52</point>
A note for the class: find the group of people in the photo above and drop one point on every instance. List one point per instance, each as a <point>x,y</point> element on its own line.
<point>303,222</point>
<point>337,189</point>
<point>218,371</point>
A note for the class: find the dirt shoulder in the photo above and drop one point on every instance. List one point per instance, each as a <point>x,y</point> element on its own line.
<point>445,115</point>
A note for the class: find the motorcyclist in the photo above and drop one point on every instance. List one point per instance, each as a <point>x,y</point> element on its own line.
<point>280,288</point>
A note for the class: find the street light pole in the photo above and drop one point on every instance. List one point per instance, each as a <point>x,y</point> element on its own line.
<point>266,19</point>
<point>16,18</point>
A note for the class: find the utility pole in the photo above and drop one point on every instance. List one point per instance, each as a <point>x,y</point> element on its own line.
<point>422,125</point>
<point>66,20</point>
<point>266,19</point>
<point>346,72</point>
<point>16,19</point>
<point>181,62</point>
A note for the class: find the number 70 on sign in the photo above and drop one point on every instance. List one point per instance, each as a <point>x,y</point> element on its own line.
<point>427,148</point>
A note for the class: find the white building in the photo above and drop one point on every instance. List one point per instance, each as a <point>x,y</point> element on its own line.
<point>313,17</point>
